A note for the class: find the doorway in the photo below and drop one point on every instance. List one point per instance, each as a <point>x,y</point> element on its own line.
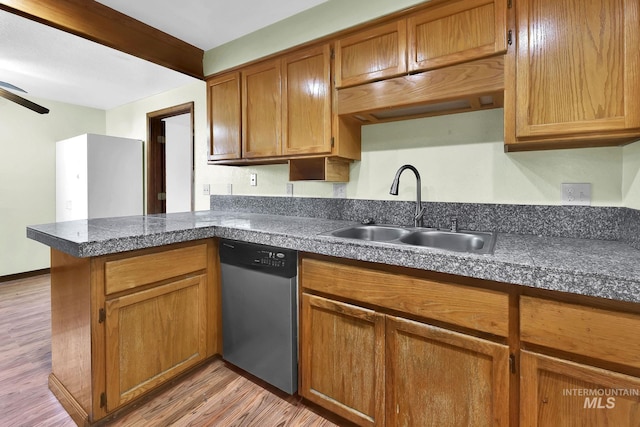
<point>170,159</point>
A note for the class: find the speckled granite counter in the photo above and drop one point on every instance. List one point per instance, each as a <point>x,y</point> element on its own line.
<point>607,269</point>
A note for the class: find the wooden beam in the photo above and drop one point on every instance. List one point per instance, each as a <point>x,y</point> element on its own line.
<point>94,21</point>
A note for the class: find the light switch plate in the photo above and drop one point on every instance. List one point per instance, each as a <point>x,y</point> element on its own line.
<point>229,189</point>
<point>576,194</point>
<point>289,189</point>
<point>253,179</point>
<point>206,189</point>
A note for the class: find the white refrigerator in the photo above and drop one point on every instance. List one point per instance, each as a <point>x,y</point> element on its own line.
<point>98,176</point>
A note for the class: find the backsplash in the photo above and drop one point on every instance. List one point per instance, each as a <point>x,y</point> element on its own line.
<point>585,222</point>
<point>630,232</point>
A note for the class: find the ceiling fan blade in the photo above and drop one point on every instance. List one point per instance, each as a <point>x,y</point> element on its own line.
<point>12,87</point>
<point>24,102</point>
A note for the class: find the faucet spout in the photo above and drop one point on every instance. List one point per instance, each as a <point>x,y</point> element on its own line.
<point>419,214</point>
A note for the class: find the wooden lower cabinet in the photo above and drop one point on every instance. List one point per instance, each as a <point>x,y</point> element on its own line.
<point>342,359</point>
<point>463,352</point>
<point>557,393</point>
<point>375,368</point>
<point>125,324</point>
<point>436,377</point>
<point>152,336</point>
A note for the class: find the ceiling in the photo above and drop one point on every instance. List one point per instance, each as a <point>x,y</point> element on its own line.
<point>53,65</point>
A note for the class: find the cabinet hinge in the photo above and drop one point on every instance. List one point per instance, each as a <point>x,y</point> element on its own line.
<point>162,196</point>
<point>333,53</point>
<point>512,363</point>
<point>102,315</point>
<point>103,400</point>
<point>161,139</point>
<point>510,37</point>
<point>509,4</point>
<point>333,142</point>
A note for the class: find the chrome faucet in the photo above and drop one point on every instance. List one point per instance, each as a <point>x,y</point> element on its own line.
<point>418,218</point>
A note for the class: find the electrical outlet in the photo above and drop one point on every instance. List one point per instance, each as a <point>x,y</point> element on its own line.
<point>253,179</point>
<point>229,189</point>
<point>576,194</point>
<point>340,191</point>
<point>289,189</point>
<point>206,189</point>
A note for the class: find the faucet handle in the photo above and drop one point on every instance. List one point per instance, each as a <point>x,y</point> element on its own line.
<point>454,224</point>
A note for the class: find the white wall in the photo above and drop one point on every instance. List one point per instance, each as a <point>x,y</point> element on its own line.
<point>178,163</point>
<point>130,121</point>
<point>27,175</point>
<point>631,176</point>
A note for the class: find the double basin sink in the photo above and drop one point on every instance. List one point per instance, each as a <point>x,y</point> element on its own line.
<point>459,241</point>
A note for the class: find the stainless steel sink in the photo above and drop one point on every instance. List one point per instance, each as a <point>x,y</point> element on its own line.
<point>473,242</point>
<point>377,233</point>
<point>462,241</point>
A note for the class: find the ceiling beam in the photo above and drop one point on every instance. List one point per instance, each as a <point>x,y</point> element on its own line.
<point>99,23</point>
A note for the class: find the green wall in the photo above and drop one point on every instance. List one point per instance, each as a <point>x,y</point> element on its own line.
<point>326,18</point>
<point>460,157</point>
<point>28,174</point>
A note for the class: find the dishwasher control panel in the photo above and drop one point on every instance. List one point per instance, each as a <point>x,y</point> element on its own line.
<point>271,258</point>
<point>268,259</point>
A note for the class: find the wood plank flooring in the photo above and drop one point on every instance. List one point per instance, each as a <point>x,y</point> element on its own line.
<point>214,395</point>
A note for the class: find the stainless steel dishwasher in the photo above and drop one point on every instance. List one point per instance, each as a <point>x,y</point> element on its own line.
<point>259,311</point>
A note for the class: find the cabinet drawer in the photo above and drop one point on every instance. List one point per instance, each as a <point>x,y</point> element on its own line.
<point>480,309</point>
<point>128,273</point>
<point>602,334</point>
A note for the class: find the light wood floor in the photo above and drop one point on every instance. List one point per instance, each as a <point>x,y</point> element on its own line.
<point>214,395</point>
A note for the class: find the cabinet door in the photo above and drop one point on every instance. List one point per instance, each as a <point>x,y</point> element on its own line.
<point>307,102</point>
<point>555,392</point>
<point>153,335</point>
<point>373,54</point>
<point>223,103</point>
<point>456,31</point>
<point>577,67</point>
<point>436,377</point>
<point>262,110</point>
<point>342,359</point>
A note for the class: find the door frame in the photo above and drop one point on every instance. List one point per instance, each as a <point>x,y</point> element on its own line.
<point>156,166</point>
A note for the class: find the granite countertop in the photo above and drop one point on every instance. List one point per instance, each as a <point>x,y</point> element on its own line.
<point>608,269</point>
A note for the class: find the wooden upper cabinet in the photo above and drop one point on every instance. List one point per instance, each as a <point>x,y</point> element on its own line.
<point>456,31</point>
<point>576,71</point>
<point>373,54</point>
<point>262,110</point>
<point>223,106</point>
<point>306,107</point>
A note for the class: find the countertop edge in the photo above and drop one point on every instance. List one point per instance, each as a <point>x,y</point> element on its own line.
<point>518,270</point>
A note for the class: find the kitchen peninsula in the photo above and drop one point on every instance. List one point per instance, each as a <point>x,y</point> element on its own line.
<point>539,306</point>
